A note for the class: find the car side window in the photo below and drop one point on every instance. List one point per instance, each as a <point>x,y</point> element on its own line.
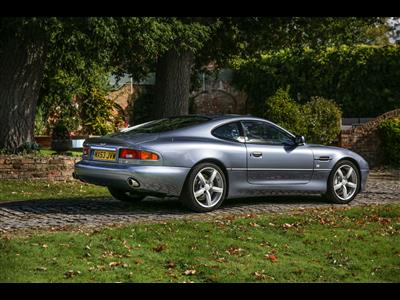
<point>257,132</point>
<point>230,132</point>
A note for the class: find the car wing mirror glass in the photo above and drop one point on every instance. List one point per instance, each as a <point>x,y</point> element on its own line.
<point>299,140</point>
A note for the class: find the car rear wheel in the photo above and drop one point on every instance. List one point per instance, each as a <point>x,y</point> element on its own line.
<point>205,188</point>
<point>125,196</point>
<point>344,182</point>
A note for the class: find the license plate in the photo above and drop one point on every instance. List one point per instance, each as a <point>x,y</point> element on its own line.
<point>104,155</point>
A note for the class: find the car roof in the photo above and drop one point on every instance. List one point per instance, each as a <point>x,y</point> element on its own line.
<point>220,119</point>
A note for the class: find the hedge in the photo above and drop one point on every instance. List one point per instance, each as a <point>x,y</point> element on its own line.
<point>363,80</point>
<point>390,134</point>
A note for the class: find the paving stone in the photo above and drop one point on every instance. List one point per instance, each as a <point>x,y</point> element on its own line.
<point>58,213</point>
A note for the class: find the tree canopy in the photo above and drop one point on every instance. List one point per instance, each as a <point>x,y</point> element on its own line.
<point>33,49</point>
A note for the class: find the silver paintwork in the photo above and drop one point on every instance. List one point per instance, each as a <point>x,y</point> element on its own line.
<point>301,168</point>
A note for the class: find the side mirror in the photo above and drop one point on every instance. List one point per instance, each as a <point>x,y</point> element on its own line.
<point>299,140</point>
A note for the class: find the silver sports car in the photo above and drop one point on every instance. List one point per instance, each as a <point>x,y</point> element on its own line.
<point>205,159</point>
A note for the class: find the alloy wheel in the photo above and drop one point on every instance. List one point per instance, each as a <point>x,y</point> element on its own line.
<point>208,187</point>
<point>345,182</point>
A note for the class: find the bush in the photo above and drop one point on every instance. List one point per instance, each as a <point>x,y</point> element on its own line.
<point>60,131</point>
<point>40,123</point>
<point>318,120</point>
<point>389,131</point>
<point>363,80</point>
<point>284,111</point>
<point>60,141</point>
<point>321,120</point>
<point>98,113</point>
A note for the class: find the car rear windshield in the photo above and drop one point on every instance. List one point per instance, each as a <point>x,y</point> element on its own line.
<point>168,124</point>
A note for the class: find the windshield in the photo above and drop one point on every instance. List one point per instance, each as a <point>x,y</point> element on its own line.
<point>163,125</point>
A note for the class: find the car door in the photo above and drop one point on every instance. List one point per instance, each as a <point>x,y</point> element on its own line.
<point>272,156</point>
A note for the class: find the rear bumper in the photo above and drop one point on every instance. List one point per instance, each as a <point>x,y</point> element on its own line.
<point>152,179</point>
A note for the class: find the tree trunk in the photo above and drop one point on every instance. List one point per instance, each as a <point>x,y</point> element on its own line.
<point>172,88</point>
<point>21,73</point>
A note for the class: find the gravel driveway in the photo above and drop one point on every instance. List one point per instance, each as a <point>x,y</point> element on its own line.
<point>94,212</point>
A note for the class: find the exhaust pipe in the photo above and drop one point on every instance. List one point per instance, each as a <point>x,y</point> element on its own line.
<point>133,183</point>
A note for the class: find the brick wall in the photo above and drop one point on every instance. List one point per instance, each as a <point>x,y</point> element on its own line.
<point>365,139</point>
<point>58,168</point>
<point>219,97</point>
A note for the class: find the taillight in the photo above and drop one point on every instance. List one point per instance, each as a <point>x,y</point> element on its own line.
<point>86,150</point>
<point>137,154</point>
<point>146,155</point>
<point>129,154</point>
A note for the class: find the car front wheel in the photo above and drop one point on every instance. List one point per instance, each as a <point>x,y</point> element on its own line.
<point>205,188</point>
<point>125,196</point>
<point>344,182</point>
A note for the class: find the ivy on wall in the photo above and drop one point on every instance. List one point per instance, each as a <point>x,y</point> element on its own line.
<point>363,80</point>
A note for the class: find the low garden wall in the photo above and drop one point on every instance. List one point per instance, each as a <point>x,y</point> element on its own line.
<point>365,139</point>
<point>57,168</point>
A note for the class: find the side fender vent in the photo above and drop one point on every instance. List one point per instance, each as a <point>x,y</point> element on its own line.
<point>323,158</point>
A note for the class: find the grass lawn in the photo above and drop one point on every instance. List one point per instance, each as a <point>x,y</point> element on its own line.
<point>28,190</point>
<point>359,244</point>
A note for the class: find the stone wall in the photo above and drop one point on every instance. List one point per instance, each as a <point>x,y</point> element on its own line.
<point>57,168</point>
<point>365,139</point>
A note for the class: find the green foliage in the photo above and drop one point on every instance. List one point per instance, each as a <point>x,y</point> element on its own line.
<point>60,131</point>
<point>318,119</point>
<point>40,122</point>
<point>281,109</point>
<point>25,148</point>
<point>141,110</point>
<point>363,80</point>
<point>29,147</point>
<point>321,120</point>
<point>97,113</point>
<point>389,131</point>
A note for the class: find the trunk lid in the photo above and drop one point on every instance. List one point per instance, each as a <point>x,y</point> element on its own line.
<point>122,139</point>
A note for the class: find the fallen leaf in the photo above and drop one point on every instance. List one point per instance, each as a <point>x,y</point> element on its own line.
<point>41,269</point>
<point>171,265</point>
<point>139,261</point>
<point>160,248</point>
<point>233,250</point>
<point>259,275</point>
<point>190,272</point>
<point>118,264</point>
<point>253,224</point>
<point>271,257</point>
<point>71,273</point>
<point>287,225</point>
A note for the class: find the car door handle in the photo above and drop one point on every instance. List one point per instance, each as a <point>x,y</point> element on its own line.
<point>256,154</point>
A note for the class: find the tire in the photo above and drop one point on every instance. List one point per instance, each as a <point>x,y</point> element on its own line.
<point>125,196</point>
<point>211,195</point>
<point>336,192</point>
